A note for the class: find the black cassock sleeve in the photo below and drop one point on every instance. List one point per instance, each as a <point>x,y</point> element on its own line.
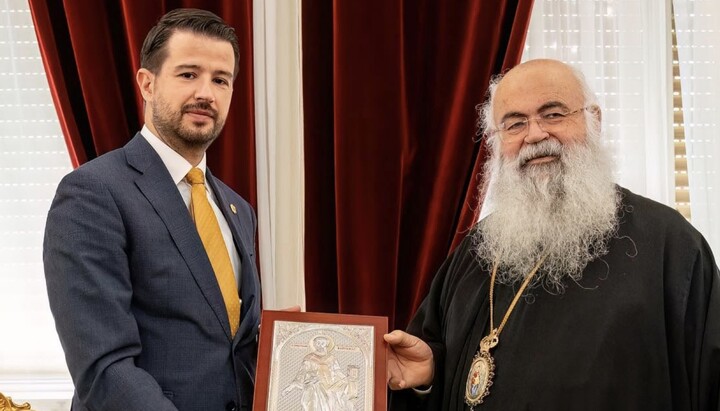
<point>427,325</point>
<point>702,333</point>
<point>430,323</point>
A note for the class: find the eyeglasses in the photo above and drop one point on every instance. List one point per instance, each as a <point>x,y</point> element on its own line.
<point>548,121</point>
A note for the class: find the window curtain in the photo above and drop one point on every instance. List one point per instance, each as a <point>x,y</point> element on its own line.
<point>623,49</point>
<point>279,137</point>
<point>91,51</point>
<point>391,156</point>
<point>697,26</point>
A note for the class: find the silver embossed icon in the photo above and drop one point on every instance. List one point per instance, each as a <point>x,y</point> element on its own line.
<point>321,367</point>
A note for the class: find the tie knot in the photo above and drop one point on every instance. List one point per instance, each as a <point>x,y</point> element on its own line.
<point>195,176</point>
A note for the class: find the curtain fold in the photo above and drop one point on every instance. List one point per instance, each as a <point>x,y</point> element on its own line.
<point>391,158</point>
<point>91,52</point>
<point>279,141</point>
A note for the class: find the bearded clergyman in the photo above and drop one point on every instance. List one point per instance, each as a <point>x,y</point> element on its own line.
<point>573,293</point>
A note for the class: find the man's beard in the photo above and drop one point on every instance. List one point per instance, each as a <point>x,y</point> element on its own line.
<point>169,124</point>
<point>564,209</point>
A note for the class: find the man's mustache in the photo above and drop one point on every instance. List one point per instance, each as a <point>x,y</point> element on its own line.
<point>201,106</point>
<point>549,147</point>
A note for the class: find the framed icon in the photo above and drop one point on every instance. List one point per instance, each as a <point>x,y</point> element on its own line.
<point>318,361</point>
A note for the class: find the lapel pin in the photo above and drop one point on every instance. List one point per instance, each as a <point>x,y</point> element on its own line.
<point>232,207</point>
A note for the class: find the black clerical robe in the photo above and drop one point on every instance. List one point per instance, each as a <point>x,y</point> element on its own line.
<point>641,331</point>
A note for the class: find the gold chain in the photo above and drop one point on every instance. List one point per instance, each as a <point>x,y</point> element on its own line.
<point>514,301</point>
<point>482,368</point>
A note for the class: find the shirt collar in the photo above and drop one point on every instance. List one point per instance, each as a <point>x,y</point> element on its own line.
<point>174,162</point>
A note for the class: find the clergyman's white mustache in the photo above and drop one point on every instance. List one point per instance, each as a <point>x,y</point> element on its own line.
<point>549,147</point>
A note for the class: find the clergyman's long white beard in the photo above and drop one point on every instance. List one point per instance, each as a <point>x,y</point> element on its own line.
<point>563,209</point>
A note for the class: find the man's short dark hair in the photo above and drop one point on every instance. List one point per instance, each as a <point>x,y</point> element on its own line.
<point>203,22</point>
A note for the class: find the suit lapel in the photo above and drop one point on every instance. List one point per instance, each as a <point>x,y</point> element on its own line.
<point>241,230</point>
<point>157,186</point>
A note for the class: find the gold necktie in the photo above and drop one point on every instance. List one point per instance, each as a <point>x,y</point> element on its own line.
<point>209,230</point>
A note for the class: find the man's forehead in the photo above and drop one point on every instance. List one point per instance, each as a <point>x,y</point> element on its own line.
<point>530,87</point>
<point>186,47</point>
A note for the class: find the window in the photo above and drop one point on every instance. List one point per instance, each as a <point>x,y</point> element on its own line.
<point>682,189</point>
<point>622,47</point>
<point>33,159</point>
<point>697,24</point>
<point>658,87</point>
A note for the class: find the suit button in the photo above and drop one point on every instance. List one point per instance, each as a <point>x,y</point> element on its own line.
<point>231,406</point>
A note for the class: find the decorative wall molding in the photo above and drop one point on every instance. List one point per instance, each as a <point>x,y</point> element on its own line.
<point>29,388</point>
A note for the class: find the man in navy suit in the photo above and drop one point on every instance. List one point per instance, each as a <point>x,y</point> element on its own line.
<point>137,305</point>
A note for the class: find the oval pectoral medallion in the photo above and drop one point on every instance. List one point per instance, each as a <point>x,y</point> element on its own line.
<point>479,380</point>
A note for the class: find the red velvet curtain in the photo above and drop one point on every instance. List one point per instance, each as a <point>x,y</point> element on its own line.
<point>91,52</point>
<point>392,163</point>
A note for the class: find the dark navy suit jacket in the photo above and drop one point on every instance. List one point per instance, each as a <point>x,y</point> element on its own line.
<point>136,304</point>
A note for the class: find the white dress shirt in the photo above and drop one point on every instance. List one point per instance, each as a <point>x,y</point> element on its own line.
<point>178,168</point>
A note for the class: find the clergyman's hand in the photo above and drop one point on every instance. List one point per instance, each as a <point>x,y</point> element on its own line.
<point>410,361</point>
